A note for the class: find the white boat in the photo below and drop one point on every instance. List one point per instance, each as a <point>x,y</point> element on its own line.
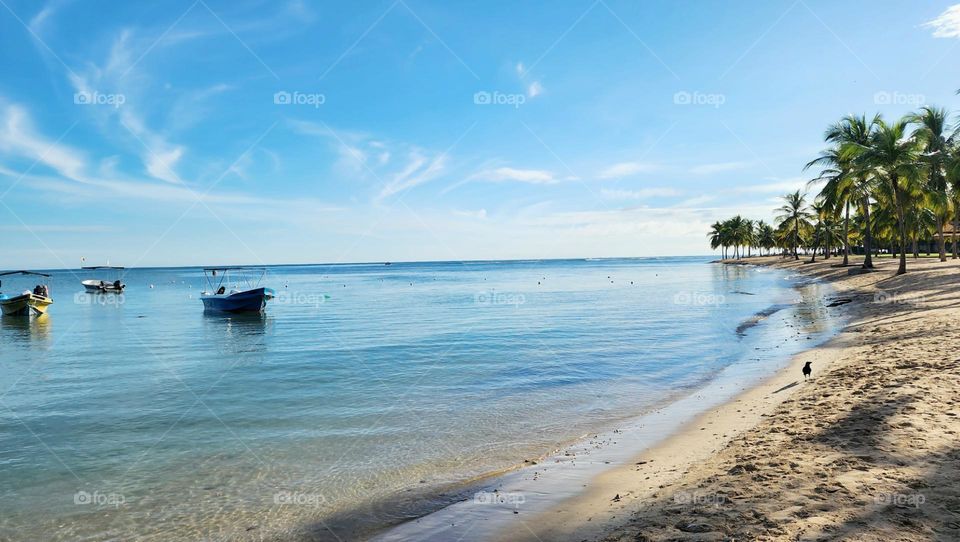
<point>104,286</point>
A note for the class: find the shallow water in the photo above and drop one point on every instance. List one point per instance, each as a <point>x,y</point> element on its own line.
<point>365,395</point>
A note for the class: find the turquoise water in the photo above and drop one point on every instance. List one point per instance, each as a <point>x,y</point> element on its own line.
<point>365,395</point>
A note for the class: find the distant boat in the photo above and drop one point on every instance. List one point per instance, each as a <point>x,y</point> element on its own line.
<point>104,286</point>
<point>218,298</point>
<point>29,303</point>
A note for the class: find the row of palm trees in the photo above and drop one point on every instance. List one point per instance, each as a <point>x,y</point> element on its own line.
<point>889,184</point>
<point>739,233</point>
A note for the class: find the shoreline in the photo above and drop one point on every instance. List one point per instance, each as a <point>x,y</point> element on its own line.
<point>759,467</point>
<point>658,432</point>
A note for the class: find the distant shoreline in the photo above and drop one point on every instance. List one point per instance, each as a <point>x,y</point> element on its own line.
<point>383,263</point>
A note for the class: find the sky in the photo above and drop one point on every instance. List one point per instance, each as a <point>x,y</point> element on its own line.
<point>295,131</point>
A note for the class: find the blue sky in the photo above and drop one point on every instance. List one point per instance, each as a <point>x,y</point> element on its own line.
<point>214,132</point>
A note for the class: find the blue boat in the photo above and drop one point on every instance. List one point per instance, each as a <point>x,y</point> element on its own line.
<point>220,297</point>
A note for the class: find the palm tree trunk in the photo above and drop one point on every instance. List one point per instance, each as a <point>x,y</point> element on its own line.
<point>846,235</point>
<point>942,242</point>
<point>796,239</point>
<point>956,226</point>
<point>902,226</point>
<point>867,235</point>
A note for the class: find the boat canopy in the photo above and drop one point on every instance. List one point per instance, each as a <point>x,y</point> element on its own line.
<point>234,268</point>
<point>5,273</point>
<point>251,276</point>
<point>29,273</point>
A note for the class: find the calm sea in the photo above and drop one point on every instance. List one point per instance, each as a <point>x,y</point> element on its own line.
<point>365,395</point>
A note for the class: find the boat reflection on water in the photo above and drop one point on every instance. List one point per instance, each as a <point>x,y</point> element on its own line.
<point>237,325</point>
<point>26,329</point>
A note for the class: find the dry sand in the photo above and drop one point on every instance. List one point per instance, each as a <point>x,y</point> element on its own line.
<point>868,449</point>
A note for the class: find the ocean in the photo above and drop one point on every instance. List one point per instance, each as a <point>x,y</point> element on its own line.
<point>367,394</point>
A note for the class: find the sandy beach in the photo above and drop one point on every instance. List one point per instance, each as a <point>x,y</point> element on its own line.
<point>867,449</point>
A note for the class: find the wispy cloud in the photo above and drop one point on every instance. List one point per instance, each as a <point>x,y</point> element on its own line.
<point>38,21</point>
<point>534,87</point>
<point>160,157</point>
<point>720,167</point>
<point>947,24</point>
<point>418,170</point>
<point>56,228</point>
<point>479,213</point>
<point>74,176</point>
<point>396,166</point>
<point>775,186</point>
<point>696,201</point>
<point>643,193</point>
<point>625,169</point>
<point>19,138</point>
<point>508,174</point>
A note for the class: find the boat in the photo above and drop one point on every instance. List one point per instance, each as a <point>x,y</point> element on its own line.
<point>98,286</point>
<point>29,303</point>
<point>220,297</point>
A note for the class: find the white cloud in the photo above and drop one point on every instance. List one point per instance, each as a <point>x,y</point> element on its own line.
<point>534,89</point>
<point>17,137</point>
<point>695,201</point>
<point>625,169</point>
<point>419,170</point>
<point>55,228</point>
<point>159,156</point>
<point>501,174</point>
<point>947,24</point>
<point>377,160</point>
<point>480,213</point>
<point>708,169</point>
<point>160,165</point>
<point>72,178</point>
<point>643,193</point>
<point>774,187</point>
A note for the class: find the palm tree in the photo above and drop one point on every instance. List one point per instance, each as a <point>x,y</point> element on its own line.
<point>794,214</point>
<point>838,192</point>
<point>716,238</point>
<point>932,131</point>
<point>766,238</point>
<point>952,171</point>
<point>893,156</point>
<point>825,229</point>
<point>736,227</point>
<point>850,134</point>
<point>749,235</point>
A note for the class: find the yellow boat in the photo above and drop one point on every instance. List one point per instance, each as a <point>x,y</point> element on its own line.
<point>28,303</point>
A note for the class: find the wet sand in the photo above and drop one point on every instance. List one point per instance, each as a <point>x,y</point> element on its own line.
<point>867,449</point>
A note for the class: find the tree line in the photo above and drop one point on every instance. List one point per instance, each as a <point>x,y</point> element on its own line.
<point>882,185</point>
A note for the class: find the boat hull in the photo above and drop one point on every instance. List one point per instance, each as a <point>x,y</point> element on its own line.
<point>248,301</point>
<point>25,305</point>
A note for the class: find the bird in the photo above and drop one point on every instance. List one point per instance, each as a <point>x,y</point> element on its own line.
<point>806,370</point>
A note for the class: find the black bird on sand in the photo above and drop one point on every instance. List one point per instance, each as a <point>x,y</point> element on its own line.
<point>806,370</point>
